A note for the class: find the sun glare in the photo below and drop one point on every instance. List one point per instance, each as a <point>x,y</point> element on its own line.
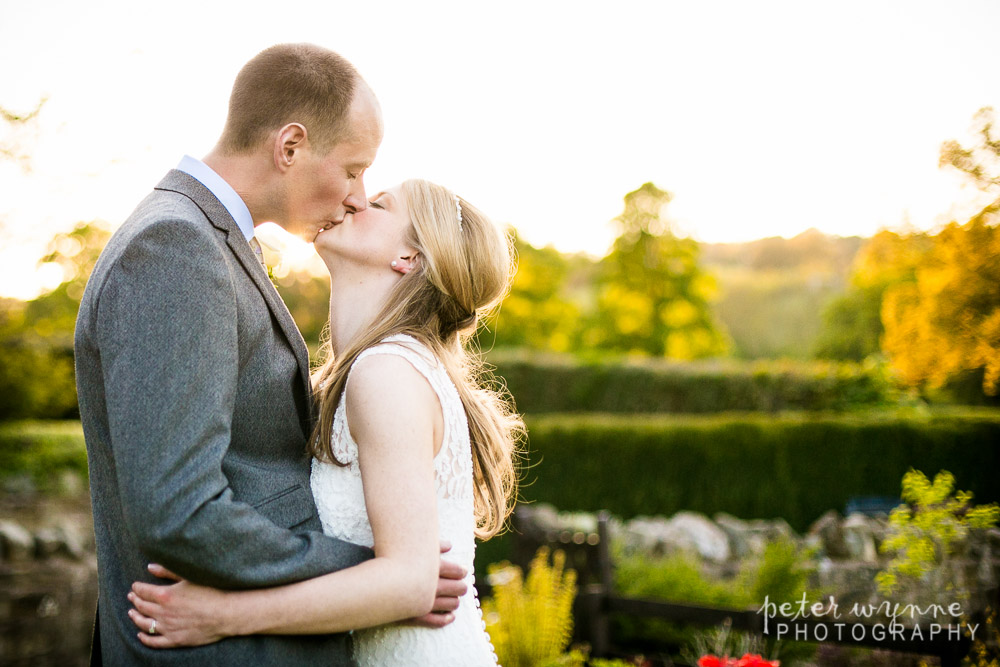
<point>286,253</point>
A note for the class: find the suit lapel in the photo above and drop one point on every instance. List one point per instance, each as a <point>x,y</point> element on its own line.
<point>182,183</point>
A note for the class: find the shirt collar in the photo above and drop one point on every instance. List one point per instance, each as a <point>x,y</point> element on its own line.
<point>223,192</point>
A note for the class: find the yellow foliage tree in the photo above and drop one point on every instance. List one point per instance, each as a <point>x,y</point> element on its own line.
<point>537,313</point>
<point>947,320</point>
<point>889,258</point>
<point>653,297</point>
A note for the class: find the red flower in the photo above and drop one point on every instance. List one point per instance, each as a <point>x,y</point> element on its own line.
<point>712,661</point>
<point>747,660</point>
<point>756,660</point>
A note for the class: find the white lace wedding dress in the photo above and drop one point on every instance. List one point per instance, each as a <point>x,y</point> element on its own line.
<point>341,503</point>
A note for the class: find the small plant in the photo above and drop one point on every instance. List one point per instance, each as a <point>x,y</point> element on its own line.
<point>723,641</point>
<point>530,620</point>
<point>929,536</point>
<point>985,650</point>
<point>782,573</point>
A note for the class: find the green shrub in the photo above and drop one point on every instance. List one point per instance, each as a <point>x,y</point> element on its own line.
<point>677,578</point>
<point>781,572</point>
<point>41,453</point>
<point>544,384</point>
<point>930,537</point>
<point>530,619</point>
<point>36,382</point>
<point>794,466</point>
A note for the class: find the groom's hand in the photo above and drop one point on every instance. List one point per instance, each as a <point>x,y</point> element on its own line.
<point>451,586</point>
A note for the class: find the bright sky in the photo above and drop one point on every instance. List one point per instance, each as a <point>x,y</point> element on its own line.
<point>763,118</point>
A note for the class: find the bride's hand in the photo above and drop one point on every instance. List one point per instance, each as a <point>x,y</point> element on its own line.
<point>451,586</point>
<point>185,614</point>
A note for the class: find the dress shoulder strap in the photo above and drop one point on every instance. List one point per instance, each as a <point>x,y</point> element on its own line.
<point>421,358</point>
<point>410,349</point>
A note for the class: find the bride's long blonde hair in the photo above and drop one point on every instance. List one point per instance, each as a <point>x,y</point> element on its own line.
<point>464,270</point>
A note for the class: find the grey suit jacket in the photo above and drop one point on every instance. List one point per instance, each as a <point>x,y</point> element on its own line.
<point>195,400</point>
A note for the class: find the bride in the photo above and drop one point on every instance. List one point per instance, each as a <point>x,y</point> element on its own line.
<point>409,450</point>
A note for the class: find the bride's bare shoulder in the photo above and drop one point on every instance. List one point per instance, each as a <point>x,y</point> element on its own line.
<point>388,388</point>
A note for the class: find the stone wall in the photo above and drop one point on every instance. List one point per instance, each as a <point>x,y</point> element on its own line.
<point>48,580</point>
<point>843,551</point>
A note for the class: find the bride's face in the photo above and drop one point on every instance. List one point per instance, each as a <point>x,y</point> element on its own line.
<point>373,238</point>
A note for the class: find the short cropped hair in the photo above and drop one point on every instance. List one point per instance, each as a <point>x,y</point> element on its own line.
<point>290,83</point>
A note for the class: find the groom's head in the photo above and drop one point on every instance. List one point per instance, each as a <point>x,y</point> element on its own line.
<point>315,125</point>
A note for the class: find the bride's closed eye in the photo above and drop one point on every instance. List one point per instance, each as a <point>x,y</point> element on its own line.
<point>376,204</point>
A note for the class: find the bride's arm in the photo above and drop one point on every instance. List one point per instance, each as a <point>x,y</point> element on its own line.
<point>395,417</point>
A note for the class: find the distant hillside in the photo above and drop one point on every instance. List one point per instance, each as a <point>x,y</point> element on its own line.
<point>811,251</point>
<point>772,292</point>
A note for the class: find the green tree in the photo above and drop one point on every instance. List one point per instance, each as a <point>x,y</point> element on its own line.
<point>307,297</point>
<point>36,337</point>
<point>652,295</point>
<point>852,323</point>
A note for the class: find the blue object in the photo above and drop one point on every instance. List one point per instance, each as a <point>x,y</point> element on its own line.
<point>871,505</point>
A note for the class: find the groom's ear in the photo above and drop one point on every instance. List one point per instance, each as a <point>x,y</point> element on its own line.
<point>291,139</point>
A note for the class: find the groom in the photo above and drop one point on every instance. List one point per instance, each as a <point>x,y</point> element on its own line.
<point>193,379</point>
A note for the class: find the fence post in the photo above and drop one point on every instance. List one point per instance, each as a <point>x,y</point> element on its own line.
<point>596,603</point>
<point>604,553</point>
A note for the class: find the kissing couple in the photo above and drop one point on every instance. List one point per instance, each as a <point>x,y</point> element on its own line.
<point>245,511</point>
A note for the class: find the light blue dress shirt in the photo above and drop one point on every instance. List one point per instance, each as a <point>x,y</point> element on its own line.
<point>224,192</point>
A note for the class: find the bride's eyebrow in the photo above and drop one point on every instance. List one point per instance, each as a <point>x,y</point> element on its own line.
<point>386,195</point>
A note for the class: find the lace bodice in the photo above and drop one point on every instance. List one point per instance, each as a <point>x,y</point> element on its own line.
<point>340,500</point>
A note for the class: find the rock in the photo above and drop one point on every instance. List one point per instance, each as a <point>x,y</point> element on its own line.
<point>19,484</point>
<point>852,582</point>
<point>544,518</point>
<point>859,538</point>
<point>74,539</point>
<point>827,529</point>
<point>541,515</point>
<point>738,533</point>
<point>70,483</point>
<point>814,543</point>
<point>16,542</point>
<point>48,542</point>
<point>880,528</point>
<point>773,530</point>
<point>646,535</point>
<point>695,532</point>
<point>993,538</point>
<point>578,522</point>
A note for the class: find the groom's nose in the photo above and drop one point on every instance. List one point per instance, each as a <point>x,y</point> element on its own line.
<point>356,200</point>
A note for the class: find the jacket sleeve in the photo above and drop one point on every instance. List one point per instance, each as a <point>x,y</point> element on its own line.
<point>167,334</point>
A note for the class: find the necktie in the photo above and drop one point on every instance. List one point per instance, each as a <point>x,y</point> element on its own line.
<point>257,250</point>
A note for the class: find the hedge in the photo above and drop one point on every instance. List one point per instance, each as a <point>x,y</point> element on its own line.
<point>41,452</point>
<point>543,384</point>
<point>794,466</point>
<point>752,465</point>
